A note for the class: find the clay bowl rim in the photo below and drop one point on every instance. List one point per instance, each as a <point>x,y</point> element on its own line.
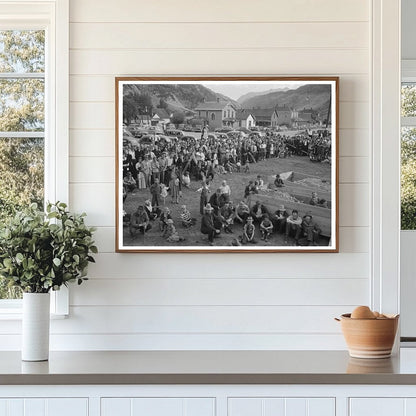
<point>347,316</point>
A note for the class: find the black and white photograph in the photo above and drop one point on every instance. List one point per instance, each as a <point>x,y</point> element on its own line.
<point>227,164</point>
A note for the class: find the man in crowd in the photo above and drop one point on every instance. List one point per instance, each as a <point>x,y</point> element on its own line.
<point>310,230</point>
<point>279,219</point>
<point>293,226</point>
<point>139,222</point>
<point>207,224</point>
<point>257,211</point>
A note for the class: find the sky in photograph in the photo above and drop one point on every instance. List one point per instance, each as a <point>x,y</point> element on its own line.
<point>235,91</point>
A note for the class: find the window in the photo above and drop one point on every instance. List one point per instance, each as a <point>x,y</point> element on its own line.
<point>33,112</point>
<point>212,116</point>
<point>408,155</point>
<point>22,124</point>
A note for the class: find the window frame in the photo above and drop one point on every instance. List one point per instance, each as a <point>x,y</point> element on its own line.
<point>53,17</point>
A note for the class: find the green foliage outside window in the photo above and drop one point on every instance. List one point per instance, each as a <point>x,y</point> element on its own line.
<point>408,160</point>
<point>21,110</point>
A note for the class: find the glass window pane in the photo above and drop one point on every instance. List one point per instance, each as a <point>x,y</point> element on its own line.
<point>21,173</point>
<point>21,183</point>
<point>408,178</point>
<point>22,51</point>
<point>22,104</point>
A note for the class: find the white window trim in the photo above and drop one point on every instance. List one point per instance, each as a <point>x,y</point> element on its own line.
<point>54,16</point>
<point>385,210</point>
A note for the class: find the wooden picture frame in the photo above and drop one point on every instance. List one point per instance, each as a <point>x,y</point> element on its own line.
<point>273,140</point>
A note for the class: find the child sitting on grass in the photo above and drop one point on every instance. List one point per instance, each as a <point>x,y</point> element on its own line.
<point>266,227</point>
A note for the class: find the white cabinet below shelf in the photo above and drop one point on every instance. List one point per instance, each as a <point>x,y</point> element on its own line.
<point>160,406</point>
<point>382,406</point>
<point>44,407</point>
<point>270,406</point>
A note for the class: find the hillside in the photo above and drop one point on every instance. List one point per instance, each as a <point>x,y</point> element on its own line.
<point>307,96</point>
<point>182,97</point>
<point>249,95</point>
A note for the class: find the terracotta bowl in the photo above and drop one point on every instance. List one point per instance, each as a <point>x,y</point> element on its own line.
<point>369,338</point>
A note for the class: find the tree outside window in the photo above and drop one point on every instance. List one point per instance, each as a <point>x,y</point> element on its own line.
<point>408,157</point>
<point>22,124</point>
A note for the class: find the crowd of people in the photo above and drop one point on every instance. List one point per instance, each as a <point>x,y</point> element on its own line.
<point>165,169</point>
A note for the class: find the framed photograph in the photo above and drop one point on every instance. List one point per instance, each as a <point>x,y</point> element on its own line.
<point>227,164</point>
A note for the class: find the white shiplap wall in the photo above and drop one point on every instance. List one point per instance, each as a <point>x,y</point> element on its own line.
<point>260,301</point>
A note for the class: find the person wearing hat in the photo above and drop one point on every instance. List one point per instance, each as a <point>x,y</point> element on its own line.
<point>310,230</point>
<point>139,222</point>
<point>278,182</point>
<point>207,224</point>
<point>279,219</point>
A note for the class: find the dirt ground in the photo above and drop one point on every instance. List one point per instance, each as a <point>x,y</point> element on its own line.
<point>237,182</point>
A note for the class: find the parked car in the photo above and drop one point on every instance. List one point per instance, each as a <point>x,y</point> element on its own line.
<point>172,132</point>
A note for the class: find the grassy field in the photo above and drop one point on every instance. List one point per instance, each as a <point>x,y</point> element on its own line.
<point>237,181</point>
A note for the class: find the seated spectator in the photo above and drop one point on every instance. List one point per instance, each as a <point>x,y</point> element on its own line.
<point>186,219</point>
<point>279,219</point>
<point>242,211</point>
<point>310,230</point>
<point>249,232</point>
<point>217,201</point>
<point>139,222</point>
<point>293,226</point>
<point>266,228</point>
<point>278,182</point>
<point>171,234</point>
<point>257,211</point>
<point>315,200</point>
<point>207,224</point>
<point>164,217</point>
<point>152,212</point>
<point>227,214</point>
<point>129,182</point>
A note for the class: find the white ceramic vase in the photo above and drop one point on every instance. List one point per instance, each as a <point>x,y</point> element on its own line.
<point>35,326</point>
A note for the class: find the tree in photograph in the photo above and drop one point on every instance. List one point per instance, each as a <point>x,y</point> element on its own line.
<point>178,118</point>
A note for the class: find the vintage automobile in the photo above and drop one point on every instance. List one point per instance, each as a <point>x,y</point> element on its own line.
<point>174,132</point>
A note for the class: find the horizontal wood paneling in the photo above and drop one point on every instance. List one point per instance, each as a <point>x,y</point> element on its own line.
<point>243,11</point>
<point>354,142</point>
<point>221,35</point>
<point>201,319</point>
<point>97,199</point>
<point>253,266</point>
<point>100,115</point>
<point>354,200</point>
<point>100,88</point>
<point>352,239</point>
<point>220,291</point>
<point>94,143</point>
<point>354,170</point>
<point>219,62</point>
<point>92,169</point>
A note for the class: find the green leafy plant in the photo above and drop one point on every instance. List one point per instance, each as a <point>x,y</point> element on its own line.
<point>43,251</point>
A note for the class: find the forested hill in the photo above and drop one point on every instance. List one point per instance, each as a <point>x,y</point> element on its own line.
<point>308,96</point>
<point>177,97</point>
